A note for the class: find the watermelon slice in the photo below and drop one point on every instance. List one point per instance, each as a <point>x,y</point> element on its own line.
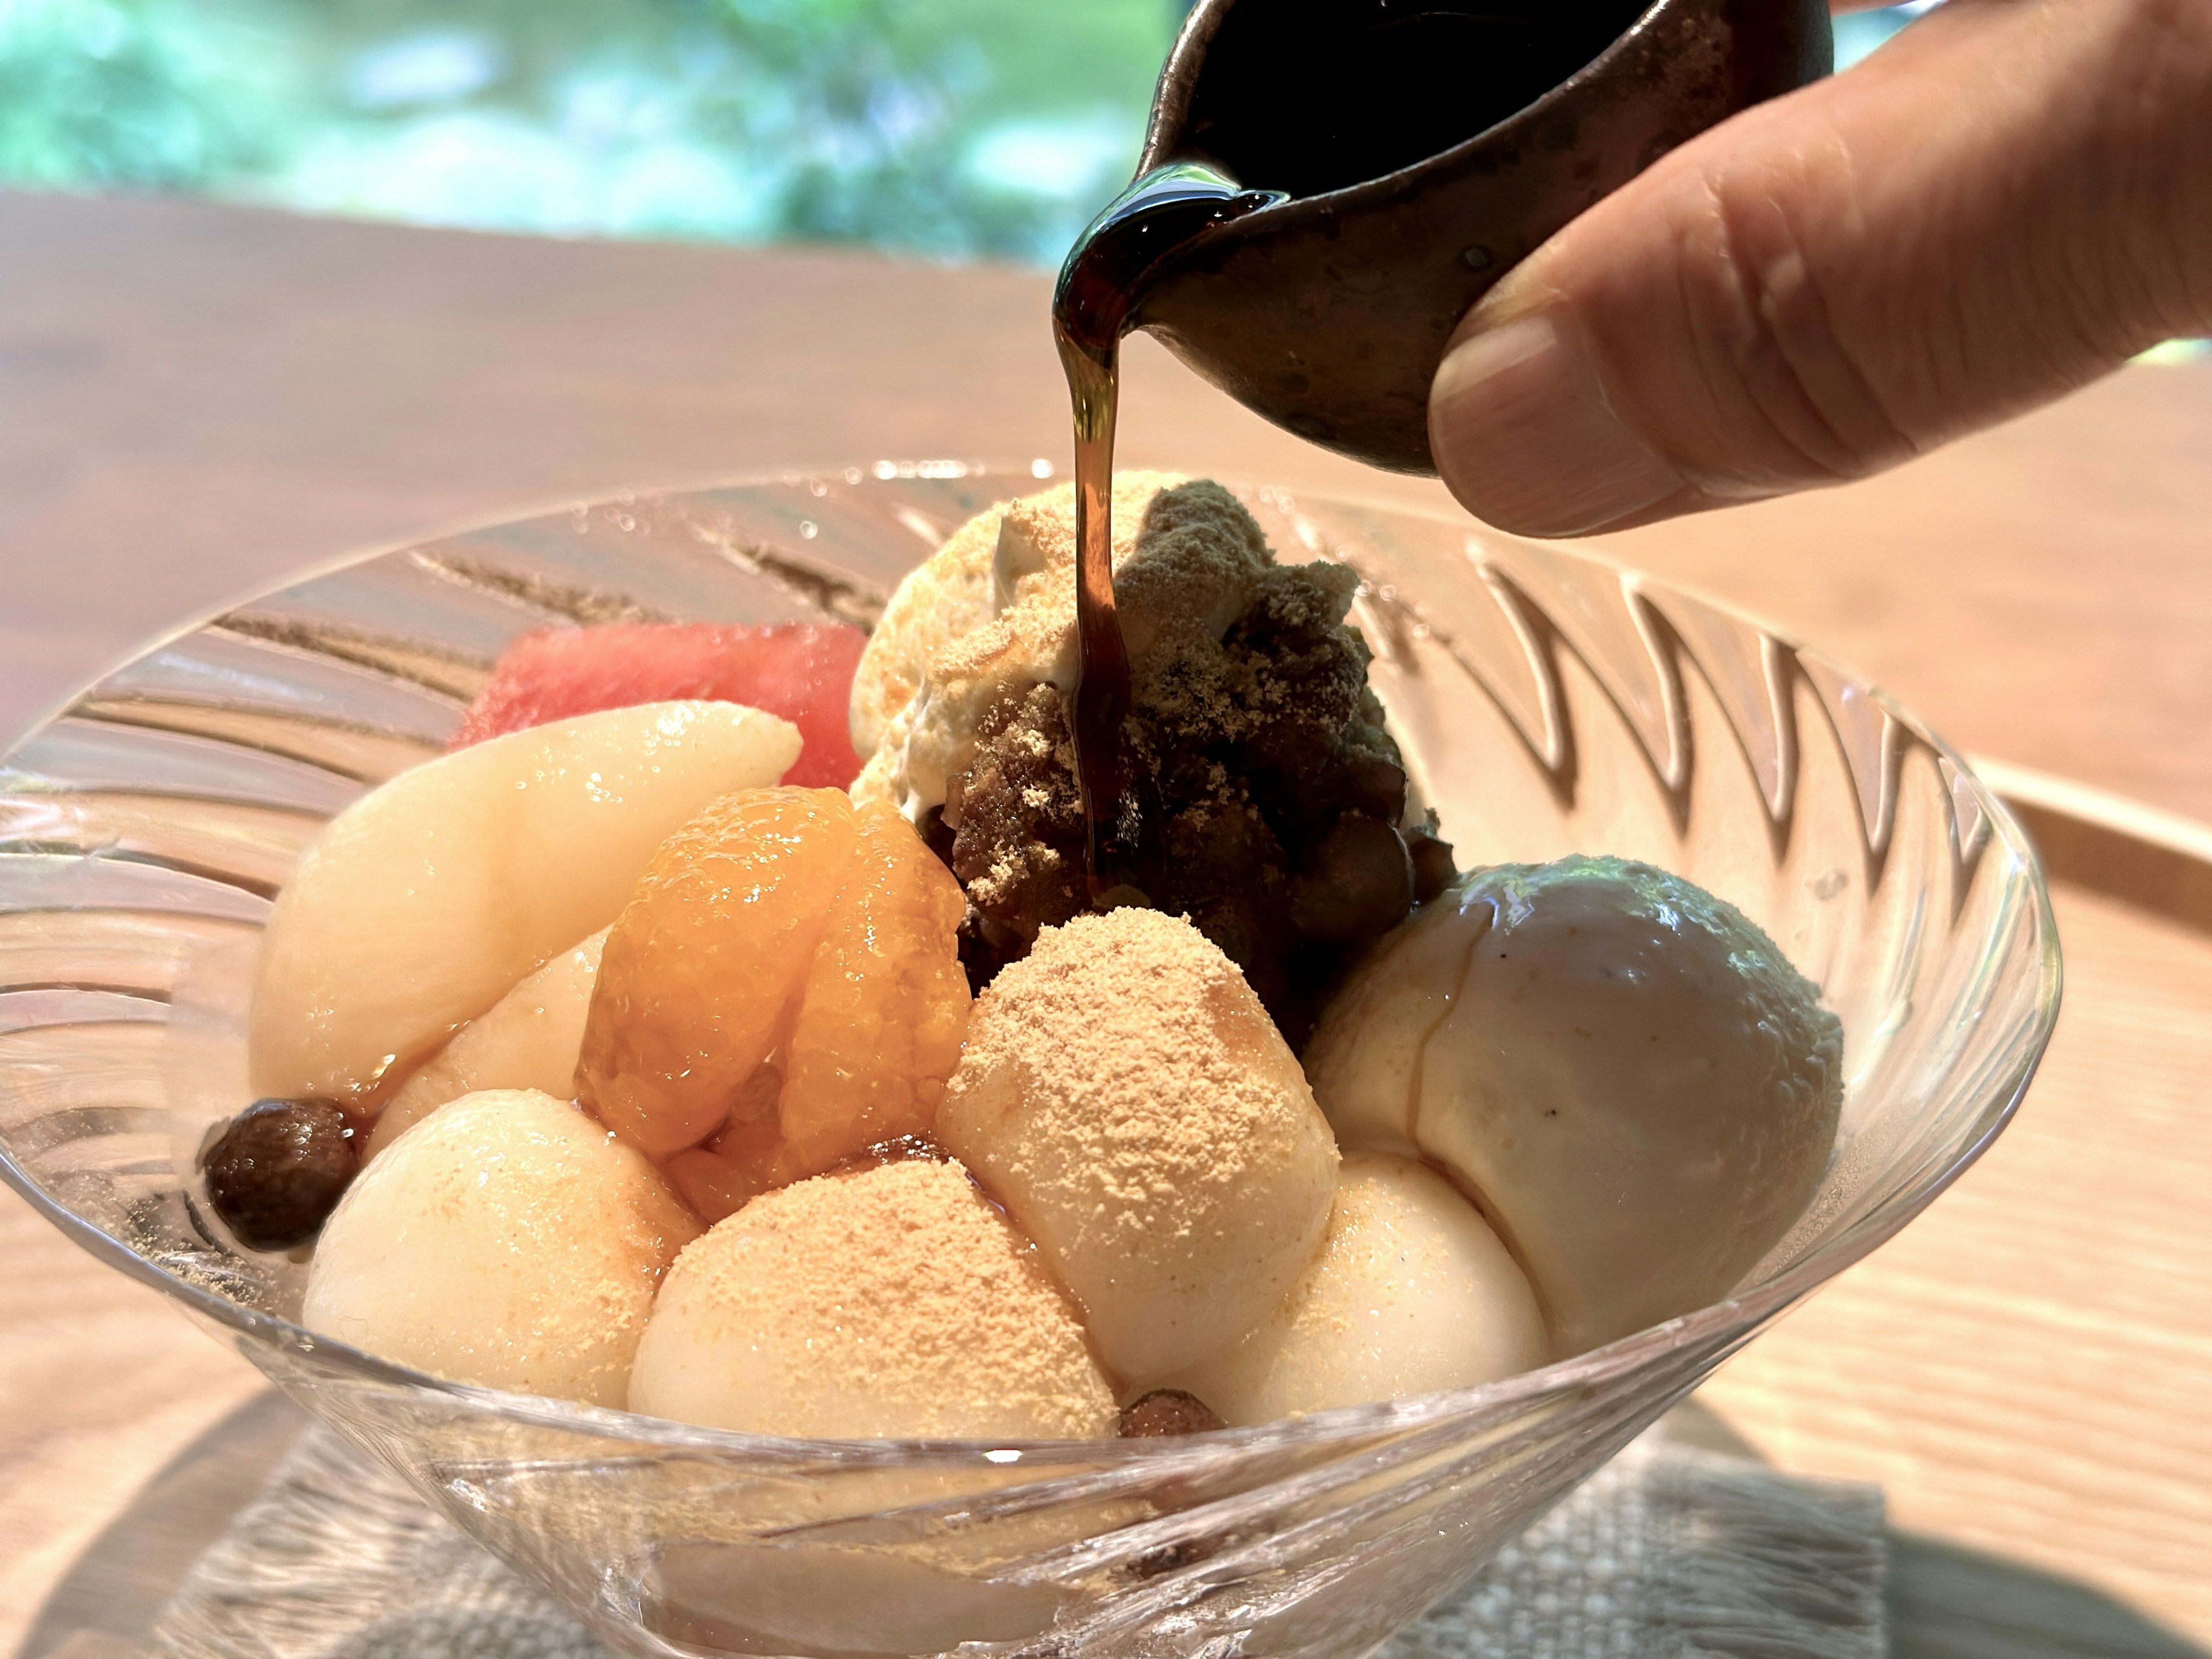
<point>801,670</point>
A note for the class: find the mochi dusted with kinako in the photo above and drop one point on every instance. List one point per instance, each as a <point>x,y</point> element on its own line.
<point>1125,1095</point>
<point>894,1300</point>
<point>802,671</point>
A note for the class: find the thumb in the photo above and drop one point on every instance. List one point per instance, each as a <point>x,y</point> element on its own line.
<point>2008,199</point>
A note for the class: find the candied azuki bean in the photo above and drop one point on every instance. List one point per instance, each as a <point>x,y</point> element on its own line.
<point>1355,883</point>
<point>1373,783</point>
<point>1433,867</point>
<point>1166,1411</point>
<point>937,834</point>
<point>278,1171</point>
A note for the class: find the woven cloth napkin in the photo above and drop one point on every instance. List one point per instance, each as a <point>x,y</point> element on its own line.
<point>1668,1552</point>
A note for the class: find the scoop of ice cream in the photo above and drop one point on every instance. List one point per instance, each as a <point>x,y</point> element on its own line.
<point>1125,1096</point>
<point>1639,1087</point>
<point>507,1240</point>
<point>964,632</point>
<point>1412,1292</point>
<point>946,595</point>
<point>889,1302</point>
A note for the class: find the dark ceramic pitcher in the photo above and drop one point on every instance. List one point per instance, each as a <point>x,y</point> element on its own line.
<point>1425,147</point>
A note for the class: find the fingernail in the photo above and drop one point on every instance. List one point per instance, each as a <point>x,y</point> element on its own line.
<point>1523,435</point>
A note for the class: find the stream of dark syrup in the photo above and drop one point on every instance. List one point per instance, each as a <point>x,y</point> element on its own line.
<point>1097,300</point>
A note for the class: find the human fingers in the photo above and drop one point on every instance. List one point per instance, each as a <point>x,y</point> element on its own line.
<point>2008,199</point>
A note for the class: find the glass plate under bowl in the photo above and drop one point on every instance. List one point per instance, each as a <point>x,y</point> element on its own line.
<point>1547,701</point>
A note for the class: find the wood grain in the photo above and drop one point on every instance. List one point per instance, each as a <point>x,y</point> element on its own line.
<point>2156,860</point>
<point>200,400</point>
<point>2025,1368</point>
<point>100,1383</point>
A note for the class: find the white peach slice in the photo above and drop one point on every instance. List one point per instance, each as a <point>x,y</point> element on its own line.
<point>431,897</point>
<point>529,1039</point>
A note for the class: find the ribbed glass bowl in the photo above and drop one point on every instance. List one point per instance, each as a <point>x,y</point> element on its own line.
<point>1547,701</point>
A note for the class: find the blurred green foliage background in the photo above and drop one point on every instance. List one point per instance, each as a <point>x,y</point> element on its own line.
<point>955,129</point>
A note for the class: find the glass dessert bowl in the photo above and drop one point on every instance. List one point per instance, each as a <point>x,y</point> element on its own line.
<point>1545,702</point>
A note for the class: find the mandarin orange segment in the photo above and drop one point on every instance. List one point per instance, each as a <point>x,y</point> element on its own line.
<point>885,1003</point>
<point>703,966</point>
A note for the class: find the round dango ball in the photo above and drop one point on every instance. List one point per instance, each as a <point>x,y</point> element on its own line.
<point>1411,1293</point>
<point>888,1301</point>
<point>506,1240</point>
<point>1128,1099</point>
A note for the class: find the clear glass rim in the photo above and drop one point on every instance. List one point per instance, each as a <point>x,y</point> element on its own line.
<point>1719,1325</point>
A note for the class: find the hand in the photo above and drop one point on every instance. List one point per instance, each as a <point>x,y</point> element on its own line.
<point>2007,200</point>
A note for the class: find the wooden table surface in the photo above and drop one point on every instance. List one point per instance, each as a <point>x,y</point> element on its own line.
<point>194,401</point>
